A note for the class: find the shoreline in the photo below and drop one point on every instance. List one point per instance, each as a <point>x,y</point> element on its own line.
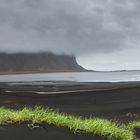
<point>63,87</point>
<point>111,101</point>
<point>89,97</point>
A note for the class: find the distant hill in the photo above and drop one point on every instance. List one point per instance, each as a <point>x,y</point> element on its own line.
<point>37,62</point>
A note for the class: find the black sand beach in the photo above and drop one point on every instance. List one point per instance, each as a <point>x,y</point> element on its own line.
<point>104,100</point>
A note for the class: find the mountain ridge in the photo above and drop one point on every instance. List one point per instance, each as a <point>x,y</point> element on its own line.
<point>38,62</point>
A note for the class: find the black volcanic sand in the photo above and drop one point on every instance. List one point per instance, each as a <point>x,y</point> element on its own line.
<point>23,132</point>
<point>105,100</point>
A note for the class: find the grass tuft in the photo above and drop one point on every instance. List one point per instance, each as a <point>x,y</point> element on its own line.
<point>95,126</point>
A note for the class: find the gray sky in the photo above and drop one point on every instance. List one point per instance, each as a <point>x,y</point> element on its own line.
<point>103,34</point>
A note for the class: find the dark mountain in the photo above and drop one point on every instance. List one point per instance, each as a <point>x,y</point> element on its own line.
<point>37,62</point>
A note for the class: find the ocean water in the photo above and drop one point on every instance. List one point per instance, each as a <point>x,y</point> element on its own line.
<point>74,76</point>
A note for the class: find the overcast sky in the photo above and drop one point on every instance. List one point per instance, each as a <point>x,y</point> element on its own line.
<point>102,34</point>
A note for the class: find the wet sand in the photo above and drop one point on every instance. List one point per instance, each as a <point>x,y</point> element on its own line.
<point>104,100</point>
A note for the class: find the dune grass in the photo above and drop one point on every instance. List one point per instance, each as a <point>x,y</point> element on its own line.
<point>95,126</point>
<point>133,125</point>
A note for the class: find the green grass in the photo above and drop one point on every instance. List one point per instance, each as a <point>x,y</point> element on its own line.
<point>101,127</point>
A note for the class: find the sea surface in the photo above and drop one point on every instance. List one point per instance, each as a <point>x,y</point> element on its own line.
<point>122,76</point>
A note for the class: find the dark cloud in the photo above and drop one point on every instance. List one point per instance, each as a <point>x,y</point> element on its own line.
<point>69,26</point>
